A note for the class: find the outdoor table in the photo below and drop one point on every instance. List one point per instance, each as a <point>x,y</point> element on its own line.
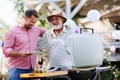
<point>48,75</point>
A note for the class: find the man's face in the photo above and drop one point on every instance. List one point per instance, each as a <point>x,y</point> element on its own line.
<point>30,22</point>
<point>56,22</point>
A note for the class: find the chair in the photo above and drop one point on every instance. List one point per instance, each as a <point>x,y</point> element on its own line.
<point>86,51</point>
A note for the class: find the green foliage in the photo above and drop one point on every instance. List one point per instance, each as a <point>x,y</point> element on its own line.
<point>115,68</point>
<point>76,17</point>
<point>3,29</point>
<point>42,19</point>
<point>115,71</point>
<point>19,7</point>
<point>106,75</point>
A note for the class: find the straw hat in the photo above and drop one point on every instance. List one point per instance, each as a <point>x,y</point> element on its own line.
<point>56,13</point>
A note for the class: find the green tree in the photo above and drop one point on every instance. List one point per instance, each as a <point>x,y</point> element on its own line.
<point>42,19</point>
<point>19,7</point>
<point>3,29</point>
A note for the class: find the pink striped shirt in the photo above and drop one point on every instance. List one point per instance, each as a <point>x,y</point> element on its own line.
<point>19,39</point>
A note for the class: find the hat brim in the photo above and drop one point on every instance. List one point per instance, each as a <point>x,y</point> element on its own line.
<point>50,17</point>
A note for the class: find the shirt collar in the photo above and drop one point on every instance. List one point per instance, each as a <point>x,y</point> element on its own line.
<point>63,31</point>
<point>20,26</point>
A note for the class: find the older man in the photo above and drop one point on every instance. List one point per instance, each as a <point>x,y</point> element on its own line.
<point>54,42</point>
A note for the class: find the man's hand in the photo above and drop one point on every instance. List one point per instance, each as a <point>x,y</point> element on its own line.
<point>19,54</point>
<point>25,54</point>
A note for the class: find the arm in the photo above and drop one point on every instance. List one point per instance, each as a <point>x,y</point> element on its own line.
<point>42,44</point>
<point>42,31</point>
<point>19,54</point>
<point>9,42</point>
<point>8,48</point>
<point>68,44</point>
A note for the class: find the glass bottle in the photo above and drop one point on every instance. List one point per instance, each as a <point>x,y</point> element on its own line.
<point>44,67</point>
<point>36,69</point>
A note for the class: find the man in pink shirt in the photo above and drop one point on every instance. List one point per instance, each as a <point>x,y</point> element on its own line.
<point>19,42</point>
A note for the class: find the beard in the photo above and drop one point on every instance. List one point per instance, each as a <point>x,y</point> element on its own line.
<point>27,26</point>
<point>56,27</point>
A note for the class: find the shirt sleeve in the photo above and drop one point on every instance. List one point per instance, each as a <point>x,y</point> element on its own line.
<point>9,42</point>
<point>42,43</point>
<point>42,31</point>
<point>68,43</point>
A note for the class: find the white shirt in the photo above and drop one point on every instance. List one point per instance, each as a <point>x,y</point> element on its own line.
<point>55,46</point>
